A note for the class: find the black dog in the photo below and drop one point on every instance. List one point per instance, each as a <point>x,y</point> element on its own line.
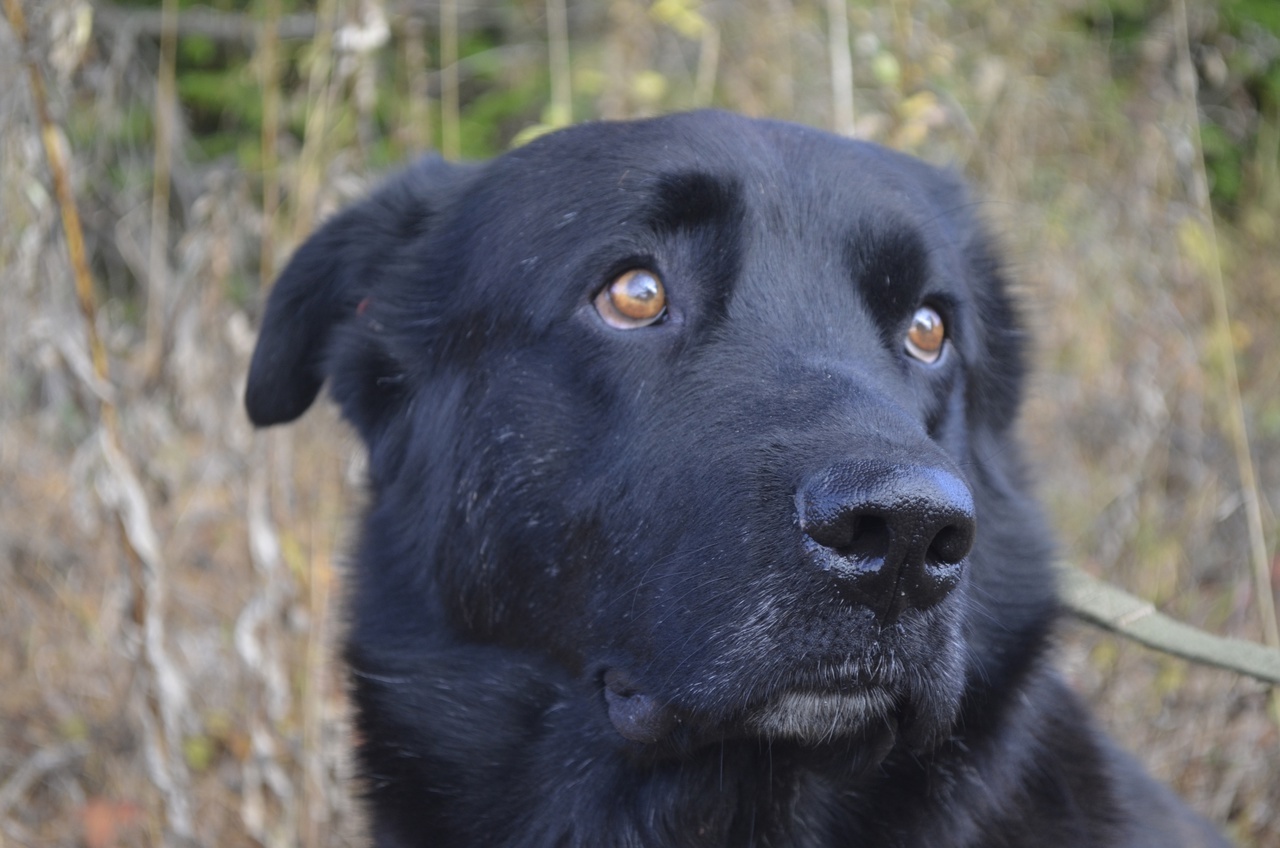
<point>696,516</point>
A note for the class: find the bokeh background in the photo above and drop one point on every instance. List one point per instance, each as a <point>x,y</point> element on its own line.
<point>169,677</point>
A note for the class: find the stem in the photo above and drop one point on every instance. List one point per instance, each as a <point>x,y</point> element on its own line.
<point>450,141</point>
<point>158,260</point>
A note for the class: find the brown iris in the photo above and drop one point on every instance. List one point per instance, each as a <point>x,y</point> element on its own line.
<point>634,299</point>
<point>926,335</point>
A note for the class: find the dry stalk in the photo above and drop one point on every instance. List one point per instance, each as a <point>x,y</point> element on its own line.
<point>841,67</point>
<point>43,762</point>
<point>256,638</point>
<point>450,120</point>
<point>121,490</point>
<point>53,147</point>
<point>269,57</point>
<point>1264,591</point>
<point>1114,609</point>
<point>315,682</point>
<point>166,691</point>
<point>419,96</point>
<point>558,57</point>
<point>158,260</point>
<point>1235,404</point>
<point>704,86</point>
<point>320,91</point>
<point>259,646</point>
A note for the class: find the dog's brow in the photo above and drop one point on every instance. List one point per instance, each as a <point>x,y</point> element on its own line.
<point>890,262</point>
<point>712,206</point>
<point>691,199</point>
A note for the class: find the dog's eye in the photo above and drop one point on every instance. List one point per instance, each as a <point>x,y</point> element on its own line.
<point>926,335</point>
<point>635,299</point>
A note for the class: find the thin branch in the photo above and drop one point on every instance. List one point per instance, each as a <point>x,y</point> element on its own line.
<point>841,66</point>
<point>203,22</point>
<point>1116,610</point>
<point>269,57</point>
<point>450,120</point>
<point>245,28</point>
<point>54,143</point>
<point>704,86</point>
<point>418,107</point>
<point>558,59</point>
<point>1263,589</point>
<point>36,768</point>
<point>158,260</point>
<point>320,90</point>
<point>121,489</point>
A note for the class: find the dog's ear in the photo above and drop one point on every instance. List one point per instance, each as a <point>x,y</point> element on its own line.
<point>328,282</point>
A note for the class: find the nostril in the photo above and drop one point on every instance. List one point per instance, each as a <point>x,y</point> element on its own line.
<point>950,545</point>
<point>869,541</point>
<point>850,534</point>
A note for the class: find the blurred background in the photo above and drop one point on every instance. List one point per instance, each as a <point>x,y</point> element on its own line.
<point>170,581</point>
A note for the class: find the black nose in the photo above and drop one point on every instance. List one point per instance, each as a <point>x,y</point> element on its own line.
<point>893,536</point>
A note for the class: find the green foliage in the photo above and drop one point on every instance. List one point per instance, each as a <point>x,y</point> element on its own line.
<point>1243,13</point>
<point>1239,77</point>
<point>1223,159</point>
<point>1123,21</point>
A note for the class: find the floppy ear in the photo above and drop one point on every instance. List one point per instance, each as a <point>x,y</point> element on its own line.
<point>325,284</point>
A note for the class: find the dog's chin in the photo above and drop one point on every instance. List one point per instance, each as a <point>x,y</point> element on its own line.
<point>819,718</point>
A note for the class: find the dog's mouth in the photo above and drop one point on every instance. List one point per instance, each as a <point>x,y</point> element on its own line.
<point>636,715</point>
<point>868,719</point>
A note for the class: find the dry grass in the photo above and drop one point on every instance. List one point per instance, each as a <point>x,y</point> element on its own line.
<point>1088,176</point>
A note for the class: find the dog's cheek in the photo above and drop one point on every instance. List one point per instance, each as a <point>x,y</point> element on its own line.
<point>520,564</point>
<point>368,384</point>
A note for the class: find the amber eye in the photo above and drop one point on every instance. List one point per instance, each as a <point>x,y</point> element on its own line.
<point>926,335</point>
<point>634,299</point>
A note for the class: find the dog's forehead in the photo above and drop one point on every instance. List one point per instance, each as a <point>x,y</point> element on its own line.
<point>600,167</point>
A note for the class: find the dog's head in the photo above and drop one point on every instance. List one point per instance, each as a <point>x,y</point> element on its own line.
<point>710,413</point>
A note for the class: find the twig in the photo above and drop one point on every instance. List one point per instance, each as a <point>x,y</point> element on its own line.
<point>39,764</point>
<point>320,579</point>
<point>122,491</point>
<point>704,85</point>
<point>166,694</point>
<point>53,148</point>
<point>269,56</point>
<point>1263,589</point>
<point>262,657</point>
<point>158,260</point>
<point>245,28</point>
<point>1116,610</point>
<point>561,113</point>
<point>450,119</point>
<point>416,123</point>
<point>319,92</point>
<point>841,66</point>
<point>203,22</point>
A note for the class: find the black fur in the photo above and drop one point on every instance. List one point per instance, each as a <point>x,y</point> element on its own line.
<point>700,583</point>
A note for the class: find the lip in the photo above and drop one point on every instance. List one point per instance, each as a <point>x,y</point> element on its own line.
<point>811,709</point>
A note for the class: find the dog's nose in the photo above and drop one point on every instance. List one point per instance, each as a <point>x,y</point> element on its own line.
<point>893,536</point>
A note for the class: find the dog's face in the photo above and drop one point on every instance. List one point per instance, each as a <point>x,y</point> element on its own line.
<point>687,408</point>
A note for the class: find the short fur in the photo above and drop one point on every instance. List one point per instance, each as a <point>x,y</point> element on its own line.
<point>594,602</point>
